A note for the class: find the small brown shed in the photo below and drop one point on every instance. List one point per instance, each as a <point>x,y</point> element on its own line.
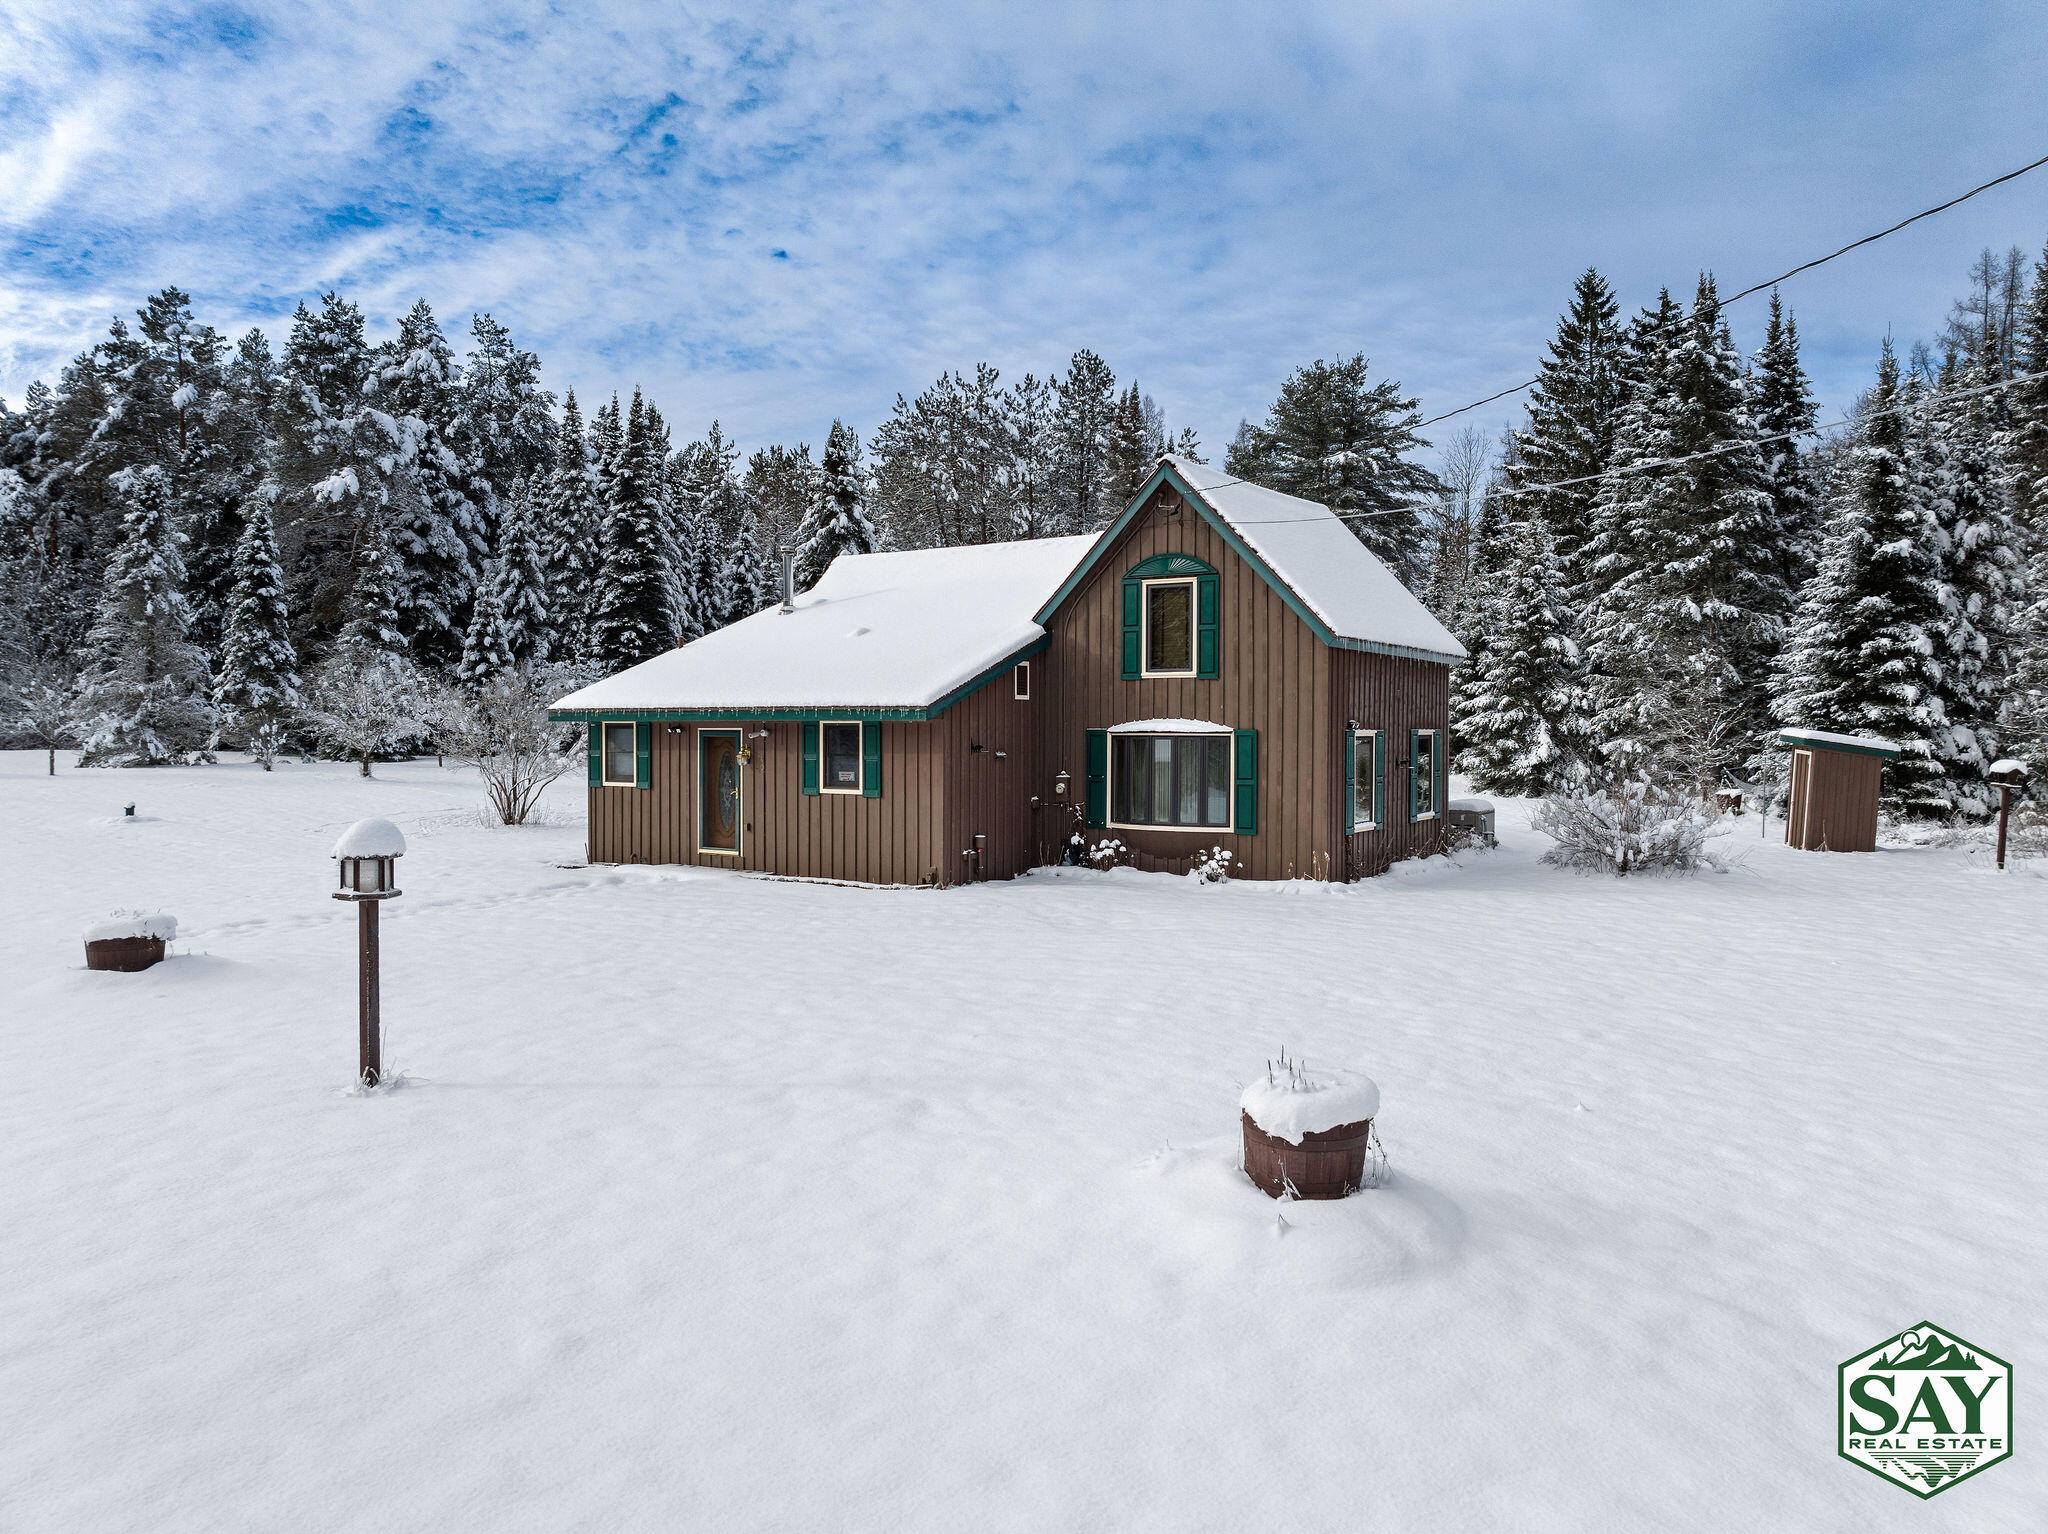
<point>1836,783</point>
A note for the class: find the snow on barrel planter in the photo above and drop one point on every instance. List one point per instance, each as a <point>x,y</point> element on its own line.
<point>1308,1130</point>
<point>129,940</point>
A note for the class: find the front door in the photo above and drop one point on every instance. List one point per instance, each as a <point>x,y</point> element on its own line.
<point>718,791</point>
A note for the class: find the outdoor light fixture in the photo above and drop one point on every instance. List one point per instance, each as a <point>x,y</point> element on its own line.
<point>367,858</point>
<point>1059,785</point>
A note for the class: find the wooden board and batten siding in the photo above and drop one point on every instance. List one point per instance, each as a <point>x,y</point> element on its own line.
<point>1833,799</point>
<point>1274,676</point>
<point>896,837</point>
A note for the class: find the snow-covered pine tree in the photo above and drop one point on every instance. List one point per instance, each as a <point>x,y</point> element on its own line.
<point>519,584</point>
<point>1517,702</point>
<point>1780,403</point>
<point>1688,607</point>
<point>744,579</point>
<point>2025,445</point>
<point>1573,413</point>
<point>1028,462</point>
<point>571,525</point>
<point>485,653</point>
<point>1983,575</point>
<point>142,696</point>
<point>632,621</point>
<point>1084,404</point>
<point>436,530</point>
<point>1335,437</point>
<point>330,453</point>
<point>837,521</point>
<point>1864,652</point>
<point>370,627</point>
<point>508,426</point>
<point>780,484</point>
<point>1189,446</point>
<point>707,499</point>
<point>1129,453</point>
<point>256,683</point>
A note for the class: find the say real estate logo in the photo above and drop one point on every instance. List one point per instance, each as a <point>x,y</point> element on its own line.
<point>1926,1409</point>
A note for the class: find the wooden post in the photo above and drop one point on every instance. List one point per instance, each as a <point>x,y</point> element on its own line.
<point>371,1023</point>
<point>2004,814</point>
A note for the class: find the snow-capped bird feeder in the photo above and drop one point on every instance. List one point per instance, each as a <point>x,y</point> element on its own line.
<point>367,856</point>
<point>2009,774</point>
<point>1308,1129</point>
<point>1836,783</point>
<point>129,941</point>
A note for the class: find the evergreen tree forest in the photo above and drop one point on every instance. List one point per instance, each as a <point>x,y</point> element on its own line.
<point>1669,563</point>
<point>1655,568</point>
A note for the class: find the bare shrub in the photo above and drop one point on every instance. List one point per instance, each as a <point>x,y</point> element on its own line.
<point>501,727</point>
<point>1628,828</point>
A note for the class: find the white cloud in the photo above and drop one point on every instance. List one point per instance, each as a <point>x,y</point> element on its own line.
<point>1208,194</point>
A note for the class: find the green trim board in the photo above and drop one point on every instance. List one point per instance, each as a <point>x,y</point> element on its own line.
<point>908,715</point>
<point>1167,474</point>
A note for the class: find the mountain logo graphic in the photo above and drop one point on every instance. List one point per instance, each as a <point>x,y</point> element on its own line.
<point>1925,1409</point>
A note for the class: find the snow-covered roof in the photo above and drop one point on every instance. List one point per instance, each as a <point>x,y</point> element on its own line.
<point>1310,548</point>
<point>1873,743</point>
<point>878,631</point>
<point>2010,764</point>
<point>371,839</point>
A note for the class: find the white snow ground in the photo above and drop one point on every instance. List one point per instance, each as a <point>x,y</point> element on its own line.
<point>732,1203</point>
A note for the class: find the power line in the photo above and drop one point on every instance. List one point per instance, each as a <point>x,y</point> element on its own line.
<point>1758,287</point>
<point>1647,463</point>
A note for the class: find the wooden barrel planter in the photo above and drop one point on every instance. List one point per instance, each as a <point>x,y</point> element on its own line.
<point>1329,1163</point>
<point>124,953</point>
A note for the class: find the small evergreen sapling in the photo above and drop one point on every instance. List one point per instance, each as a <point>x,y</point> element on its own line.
<point>256,685</point>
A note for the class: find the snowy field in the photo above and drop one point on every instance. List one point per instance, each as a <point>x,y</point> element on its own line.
<point>728,1203</point>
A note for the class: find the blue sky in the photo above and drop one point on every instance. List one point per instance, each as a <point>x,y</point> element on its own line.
<point>776,215</point>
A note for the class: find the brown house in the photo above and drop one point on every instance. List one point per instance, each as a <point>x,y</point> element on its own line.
<point>1223,665</point>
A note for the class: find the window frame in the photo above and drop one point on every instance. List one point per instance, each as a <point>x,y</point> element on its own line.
<point>1020,682</point>
<point>604,753</point>
<point>1145,667</point>
<point>1366,744</point>
<point>1228,826</point>
<point>1427,798</point>
<point>860,766</point>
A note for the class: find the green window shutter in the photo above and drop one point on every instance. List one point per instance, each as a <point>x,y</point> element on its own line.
<point>1436,758</point>
<point>1097,801</point>
<point>1247,822</point>
<point>597,756</point>
<point>1414,781</point>
<point>1130,650</point>
<point>1379,777</point>
<point>871,759</point>
<point>643,755</point>
<point>1207,630</point>
<point>809,782</point>
<point>1350,780</point>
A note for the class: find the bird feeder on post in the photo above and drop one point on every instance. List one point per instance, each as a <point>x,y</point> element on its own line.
<point>367,856</point>
<point>2008,775</point>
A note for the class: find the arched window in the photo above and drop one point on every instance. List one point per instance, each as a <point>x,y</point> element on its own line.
<point>1171,612</point>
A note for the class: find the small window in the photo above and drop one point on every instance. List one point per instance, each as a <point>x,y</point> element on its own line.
<point>1020,681</point>
<point>1422,780</point>
<point>840,749</point>
<point>1365,780</point>
<point>619,765</point>
<point>1169,628</point>
<point>1176,781</point>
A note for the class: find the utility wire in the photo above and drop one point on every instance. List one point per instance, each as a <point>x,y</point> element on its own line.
<point>1647,463</point>
<point>1758,287</point>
